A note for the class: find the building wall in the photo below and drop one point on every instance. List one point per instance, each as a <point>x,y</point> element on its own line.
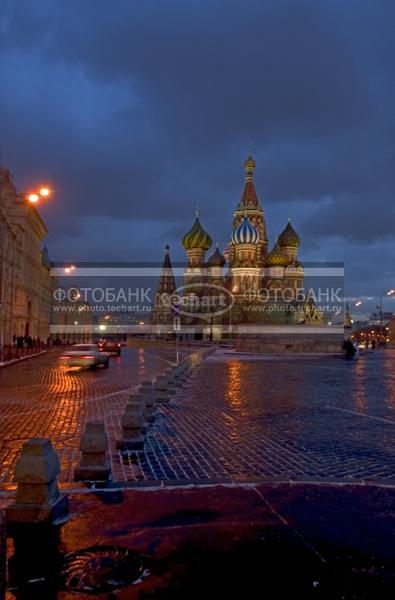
<point>292,343</point>
<point>25,282</point>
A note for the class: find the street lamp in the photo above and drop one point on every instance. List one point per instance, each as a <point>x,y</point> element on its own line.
<point>34,197</point>
<point>390,292</point>
<point>69,269</point>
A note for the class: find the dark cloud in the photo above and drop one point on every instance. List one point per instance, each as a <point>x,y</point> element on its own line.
<point>140,111</point>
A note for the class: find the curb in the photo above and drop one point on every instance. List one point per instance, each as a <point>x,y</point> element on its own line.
<point>17,360</point>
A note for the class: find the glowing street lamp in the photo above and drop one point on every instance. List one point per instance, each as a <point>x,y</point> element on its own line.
<point>358,303</point>
<point>390,292</point>
<point>43,192</point>
<point>69,269</point>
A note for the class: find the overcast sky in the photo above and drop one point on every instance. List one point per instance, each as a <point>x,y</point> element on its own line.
<point>136,112</point>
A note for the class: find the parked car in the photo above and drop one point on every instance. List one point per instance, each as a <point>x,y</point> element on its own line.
<point>84,355</point>
<point>109,345</point>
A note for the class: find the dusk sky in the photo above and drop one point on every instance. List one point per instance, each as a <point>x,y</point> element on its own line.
<point>136,112</point>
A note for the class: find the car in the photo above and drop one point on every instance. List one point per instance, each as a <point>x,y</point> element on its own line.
<point>109,345</point>
<point>84,355</point>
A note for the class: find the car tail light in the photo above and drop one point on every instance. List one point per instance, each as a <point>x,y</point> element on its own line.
<point>63,357</point>
<point>86,356</point>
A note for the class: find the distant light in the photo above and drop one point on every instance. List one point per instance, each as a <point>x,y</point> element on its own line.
<point>141,323</point>
<point>107,317</point>
<point>67,270</point>
<point>72,267</point>
<point>45,191</point>
<point>33,198</point>
<point>75,322</point>
<point>329,322</point>
<point>102,327</point>
<point>358,303</point>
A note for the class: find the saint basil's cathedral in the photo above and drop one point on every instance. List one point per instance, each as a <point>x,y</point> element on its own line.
<point>247,265</point>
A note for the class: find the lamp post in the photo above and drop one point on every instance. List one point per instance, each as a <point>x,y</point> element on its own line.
<point>390,292</point>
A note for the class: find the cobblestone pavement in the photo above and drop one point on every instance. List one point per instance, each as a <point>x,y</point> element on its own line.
<point>237,418</point>
<point>40,399</point>
<point>292,417</point>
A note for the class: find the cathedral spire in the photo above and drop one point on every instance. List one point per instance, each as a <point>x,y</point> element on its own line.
<point>167,283</point>
<point>249,165</point>
<point>249,198</point>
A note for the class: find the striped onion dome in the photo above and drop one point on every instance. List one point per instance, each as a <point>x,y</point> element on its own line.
<point>245,233</point>
<point>275,258</point>
<point>196,237</point>
<point>289,237</point>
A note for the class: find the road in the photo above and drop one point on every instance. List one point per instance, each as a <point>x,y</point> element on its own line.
<point>39,399</point>
<point>239,418</point>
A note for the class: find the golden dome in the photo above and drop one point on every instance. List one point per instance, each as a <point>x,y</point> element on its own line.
<point>196,237</point>
<point>275,258</point>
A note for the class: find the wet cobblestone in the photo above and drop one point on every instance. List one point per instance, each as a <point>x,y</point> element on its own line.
<point>39,399</point>
<point>296,418</point>
<point>236,419</point>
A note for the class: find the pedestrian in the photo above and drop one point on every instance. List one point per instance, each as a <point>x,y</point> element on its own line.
<point>349,350</point>
<point>373,344</point>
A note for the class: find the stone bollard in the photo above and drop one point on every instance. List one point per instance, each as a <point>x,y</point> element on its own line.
<point>161,389</point>
<point>138,399</point>
<point>133,420</point>
<point>171,380</point>
<point>94,464</point>
<point>38,499</point>
<point>147,392</point>
<point>184,374</point>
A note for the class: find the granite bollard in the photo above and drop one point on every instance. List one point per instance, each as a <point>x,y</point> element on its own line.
<point>133,420</point>
<point>171,380</point>
<point>147,392</point>
<point>161,389</point>
<point>138,399</point>
<point>38,499</point>
<point>94,463</point>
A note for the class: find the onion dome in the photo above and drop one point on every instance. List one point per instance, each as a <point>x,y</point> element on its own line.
<point>289,237</point>
<point>216,259</point>
<point>245,233</point>
<point>196,237</point>
<point>275,258</point>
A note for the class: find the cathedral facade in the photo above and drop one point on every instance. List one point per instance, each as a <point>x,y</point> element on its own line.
<point>248,268</point>
<point>252,267</point>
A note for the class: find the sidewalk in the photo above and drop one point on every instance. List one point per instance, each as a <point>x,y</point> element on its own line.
<point>247,541</point>
<point>21,358</point>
